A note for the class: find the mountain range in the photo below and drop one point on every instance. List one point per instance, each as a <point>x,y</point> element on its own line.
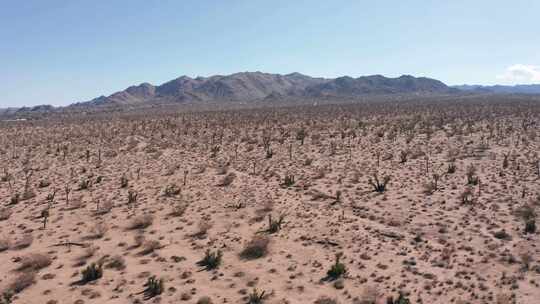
<point>250,86</point>
<point>502,89</point>
<point>262,87</point>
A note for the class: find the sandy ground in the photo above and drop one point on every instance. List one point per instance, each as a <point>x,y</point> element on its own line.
<point>423,240</point>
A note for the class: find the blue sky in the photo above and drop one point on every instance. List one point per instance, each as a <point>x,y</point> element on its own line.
<point>63,51</point>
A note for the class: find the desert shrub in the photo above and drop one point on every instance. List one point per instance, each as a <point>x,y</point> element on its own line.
<point>124,181</point>
<point>205,300</point>
<point>467,196</point>
<point>4,244</point>
<point>256,297</point>
<point>401,299</point>
<point>526,259</point>
<point>24,242</point>
<point>88,253</point>
<point>504,298</point>
<point>132,197</point>
<point>154,287</point>
<point>178,209</point>
<point>370,295</point>
<point>227,180</point>
<point>21,282</point>
<point>84,184</point>
<point>202,229</point>
<point>15,199</point>
<point>502,235</point>
<point>76,203</point>
<point>44,183</point>
<point>430,188</point>
<point>171,190</point>
<point>337,270</point>
<point>256,248</point>
<point>451,169</point>
<point>99,230</point>
<point>105,208</point>
<point>472,179</point>
<point>141,221</point>
<point>139,240</point>
<point>530,226</point>
<point>403,155</point>
<point>301,135</point>
<point>325,300</point>
<point>150,246</point>
<point>288,180</point>
<point>92,273</point>
<point>528,214</point>
<point>34,262</point>
<point>211,260</point>
<point>5,213</point>
<point>116,262</point>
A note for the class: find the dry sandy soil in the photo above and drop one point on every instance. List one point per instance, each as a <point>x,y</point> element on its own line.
<point>148,195</point>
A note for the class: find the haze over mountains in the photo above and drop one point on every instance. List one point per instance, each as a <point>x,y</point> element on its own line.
<point>258,86</point>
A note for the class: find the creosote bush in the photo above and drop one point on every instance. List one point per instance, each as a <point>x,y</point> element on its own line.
<point>401,299</point>
<point>256,248</point>
<point>141,221</point>
<point>34,262</point>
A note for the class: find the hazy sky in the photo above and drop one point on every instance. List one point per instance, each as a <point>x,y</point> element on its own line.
<point>63,51</point>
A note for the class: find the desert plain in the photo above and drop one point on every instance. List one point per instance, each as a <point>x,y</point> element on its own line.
<point>420,201</point>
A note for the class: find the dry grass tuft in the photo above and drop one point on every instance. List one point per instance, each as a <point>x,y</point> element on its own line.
<point>4,244</point>
<point>99,230</point>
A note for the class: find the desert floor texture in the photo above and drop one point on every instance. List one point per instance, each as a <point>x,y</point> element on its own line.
<point>354,203</point>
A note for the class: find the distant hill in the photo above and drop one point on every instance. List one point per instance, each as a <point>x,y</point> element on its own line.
<point>249,86</point>
<point>501,89</point>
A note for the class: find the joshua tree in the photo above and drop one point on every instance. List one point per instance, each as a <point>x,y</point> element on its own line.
<point>45,215</point>
<point>67,190</point>
<point>132,198</point>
